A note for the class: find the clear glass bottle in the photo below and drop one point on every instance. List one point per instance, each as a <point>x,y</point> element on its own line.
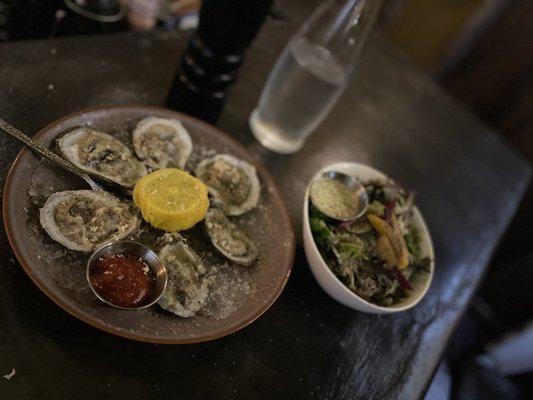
<point>311,73</point>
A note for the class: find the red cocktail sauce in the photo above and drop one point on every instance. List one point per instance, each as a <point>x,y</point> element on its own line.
<point>123,280</point>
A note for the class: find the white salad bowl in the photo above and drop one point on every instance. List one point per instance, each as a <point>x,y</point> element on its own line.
<point>327,279</point>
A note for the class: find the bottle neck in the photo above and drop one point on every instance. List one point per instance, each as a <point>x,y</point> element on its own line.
<point>341,27</point>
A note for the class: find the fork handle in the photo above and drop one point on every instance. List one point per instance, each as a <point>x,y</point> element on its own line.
<point>44,151</point>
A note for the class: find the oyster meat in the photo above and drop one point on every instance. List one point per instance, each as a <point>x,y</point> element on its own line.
<point>162,143</point>
<point>102,155</point>
<point>232,182</point>
<point>227,238</point>
<point>82,220</point>
<point>187,287</point>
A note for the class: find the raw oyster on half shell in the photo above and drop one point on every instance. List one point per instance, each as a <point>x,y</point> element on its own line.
<point>162,143</point>
<point>101,155</point>
<point>187,288</point>
<point>83,220</point>
<point>229,239</point>
<point>232,182</point>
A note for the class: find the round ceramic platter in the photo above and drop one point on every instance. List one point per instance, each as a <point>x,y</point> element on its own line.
<point>238,295</point>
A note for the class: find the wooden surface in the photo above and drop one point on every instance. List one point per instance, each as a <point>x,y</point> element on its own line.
<point>306,346</point>
<point>494,81</point>
<point>503,56</point>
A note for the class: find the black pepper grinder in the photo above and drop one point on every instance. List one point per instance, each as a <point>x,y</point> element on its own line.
<point>214,55</point>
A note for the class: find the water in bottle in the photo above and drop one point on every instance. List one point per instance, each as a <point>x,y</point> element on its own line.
<point>305,84</point>
<point>311,74</point>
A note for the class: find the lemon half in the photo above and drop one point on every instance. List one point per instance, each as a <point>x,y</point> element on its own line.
<point>171,199</point>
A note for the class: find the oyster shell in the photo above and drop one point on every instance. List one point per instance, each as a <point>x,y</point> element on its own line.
<point>102,155</point>
<point>229,239</point>
<point>162,143</point>
<point>187,286</point>
<point>232,182</point>
<point>82,220</point>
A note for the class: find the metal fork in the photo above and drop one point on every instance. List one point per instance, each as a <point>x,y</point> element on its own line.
<point>39,148</point>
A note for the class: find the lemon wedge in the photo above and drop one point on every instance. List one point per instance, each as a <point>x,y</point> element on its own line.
<point>171,199</point>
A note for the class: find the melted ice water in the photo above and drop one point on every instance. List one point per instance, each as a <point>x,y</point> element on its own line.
<point>304,85</point>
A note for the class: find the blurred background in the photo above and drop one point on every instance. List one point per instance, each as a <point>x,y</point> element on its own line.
<point>481,51</point>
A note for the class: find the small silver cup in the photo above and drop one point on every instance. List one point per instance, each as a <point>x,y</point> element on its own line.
<point>136,250</point>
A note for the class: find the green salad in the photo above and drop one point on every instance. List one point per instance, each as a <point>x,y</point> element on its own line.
<point>378,255</point>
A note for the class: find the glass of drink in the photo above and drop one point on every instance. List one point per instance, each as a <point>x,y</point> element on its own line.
<point>311,73</point>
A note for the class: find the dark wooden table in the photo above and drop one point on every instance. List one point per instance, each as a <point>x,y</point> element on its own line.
<point>393,117</point>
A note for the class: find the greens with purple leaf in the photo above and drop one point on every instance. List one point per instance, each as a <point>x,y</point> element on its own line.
<point>378,255</point>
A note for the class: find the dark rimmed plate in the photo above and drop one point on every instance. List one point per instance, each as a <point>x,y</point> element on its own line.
<point>243,294</point>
